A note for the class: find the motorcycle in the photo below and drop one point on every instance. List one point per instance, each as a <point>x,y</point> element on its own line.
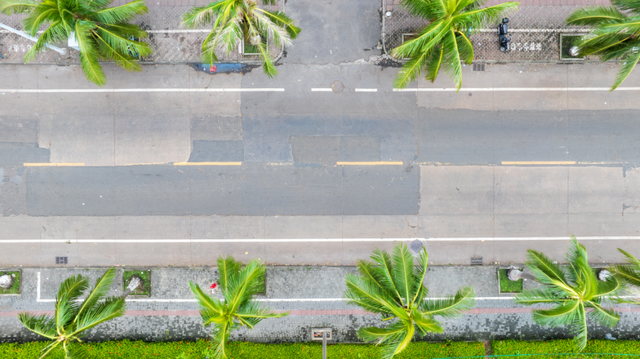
<point>503,31</point>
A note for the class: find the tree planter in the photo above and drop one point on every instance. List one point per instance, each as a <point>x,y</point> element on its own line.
<point>15,286</point>
<point>505,285</point>
<point>568,47</point>
<point>144,289</point>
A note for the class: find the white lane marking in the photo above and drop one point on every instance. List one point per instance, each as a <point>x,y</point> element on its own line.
<point>531,30</point>
<point>322,89</point>
<point>366,90</point>
<point>325,240</point>
<point>515,89</point>
<point>146,90</point>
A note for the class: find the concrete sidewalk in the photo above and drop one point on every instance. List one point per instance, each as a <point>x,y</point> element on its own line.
<point>312,295</point>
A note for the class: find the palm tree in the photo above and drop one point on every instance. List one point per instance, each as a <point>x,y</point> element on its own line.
<point>238,286</point>
<point>102,32</point>
<point>73,317</point>
<point>444,43</point>
<point>236,21</point>
<point>629,274</point>
<point>572,291</point>
<point>393,287</point>
<point>615,34</point>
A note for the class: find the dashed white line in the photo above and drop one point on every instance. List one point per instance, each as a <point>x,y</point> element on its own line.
<point>321,89</point>
<point>366,90</point>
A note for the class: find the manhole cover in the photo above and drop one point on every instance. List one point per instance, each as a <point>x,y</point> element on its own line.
<point>416,246</point>
<point>337,86</point>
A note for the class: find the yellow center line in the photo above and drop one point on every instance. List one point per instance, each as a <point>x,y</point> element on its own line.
<point>207,163</point>
<point>539,162</point>
<point>398,163</point>
<point>53,164</point>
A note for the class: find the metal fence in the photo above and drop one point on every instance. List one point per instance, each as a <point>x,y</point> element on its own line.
<point>535,33</point>
<point>170,42</point>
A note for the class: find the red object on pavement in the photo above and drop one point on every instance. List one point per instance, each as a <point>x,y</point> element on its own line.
<point>213,68</point>
<point>214,285</point>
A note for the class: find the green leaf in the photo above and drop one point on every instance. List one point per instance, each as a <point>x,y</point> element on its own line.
<point>562,315</point>
<point>606,317</point>
<point>403,278</point>
<point>89,54</point>
<point>626,67</point>
<point>450,306</point>
<point>122,13</point>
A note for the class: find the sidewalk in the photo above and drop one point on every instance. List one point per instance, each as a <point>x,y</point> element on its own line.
<point>312,295</point>
<point>171,43</point>
<point>535,30</point>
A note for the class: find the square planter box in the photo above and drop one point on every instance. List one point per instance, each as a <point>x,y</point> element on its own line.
<point>505,286</point>
<point>16,287</point>
<point>144,290</point>
<point>567,42</point>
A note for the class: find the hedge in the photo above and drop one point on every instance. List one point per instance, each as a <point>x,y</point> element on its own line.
<point>246,350</point>
<point>550,347</point>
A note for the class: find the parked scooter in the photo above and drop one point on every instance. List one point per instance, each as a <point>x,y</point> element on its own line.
<point>503,32</point>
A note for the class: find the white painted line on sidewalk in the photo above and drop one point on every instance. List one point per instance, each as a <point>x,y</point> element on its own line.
<point>515,89</point>
<point>366,90</point>
<point>316,89</point>
<point>144,90</point>
<point>324,240</point>
<point>296,300</point>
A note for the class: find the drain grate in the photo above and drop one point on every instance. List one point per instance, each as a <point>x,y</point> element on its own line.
<point>478,67</point>
<point>61,260</point>
<point>476,261</point>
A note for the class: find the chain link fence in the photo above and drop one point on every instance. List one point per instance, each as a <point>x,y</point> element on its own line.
<point>535,33</point>
<point>170,42</point>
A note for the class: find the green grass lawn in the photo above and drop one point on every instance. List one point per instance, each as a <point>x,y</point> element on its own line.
<point>547,349</point>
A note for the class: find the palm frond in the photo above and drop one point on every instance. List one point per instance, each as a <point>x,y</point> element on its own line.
<point>452,58</point>
<point>242,286</point>
<point>450,306</point>
<point>547,272</point>
<point>626,67</point>
<point>428,38</point>
<point>627,5</point>
<point>538,295</point>
<point>382,335</point>
<point>212,310</point>
<point>385,270</point>
<point>607,288</point>
<point>122,13</point>
<point>10,7</point>
<point>628,273</point>
<point>465,47</point>
<point>368,296</point>
<point>110,308</point>
<point>425,9</point>
<point>562,315</point>
<point>203,15</point>
<point>103,284</point>
<point>280,19</point>
<point>88,54</point>
<point>411,70</point>
<point>368,272</point>
<point>54,33</point>
<point>420,272</point>
<point>425,323</point>
<point>40,324</point>
<point>77,352</point>
<point>477,17</point>
<point>606,317</point>
<point>252,313</point>
<point>403,277</point>
<point>66,306</point>
<point>434,63</point>
<point>579,329</point>
<point>220,337</point>
<point>228,268</point>
<point>591,16</point>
